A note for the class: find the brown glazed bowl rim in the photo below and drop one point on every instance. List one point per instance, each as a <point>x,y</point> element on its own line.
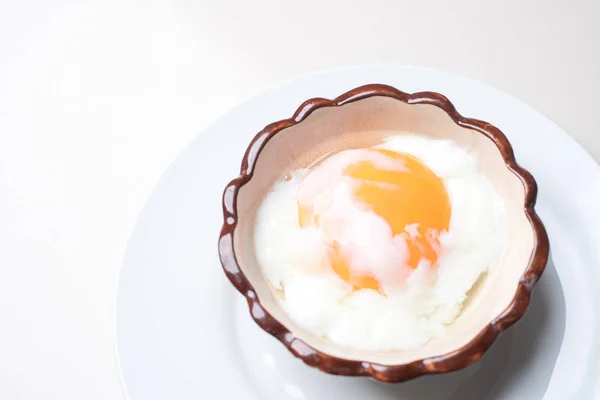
<point>452,361</point>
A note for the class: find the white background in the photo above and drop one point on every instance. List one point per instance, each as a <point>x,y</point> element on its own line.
<point>96,98</point>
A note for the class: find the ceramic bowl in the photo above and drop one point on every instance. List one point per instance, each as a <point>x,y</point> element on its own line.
<point>318,127</point>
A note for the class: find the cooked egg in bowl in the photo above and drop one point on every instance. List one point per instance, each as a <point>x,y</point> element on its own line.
<point>382,234</point>
<point>377,248</point>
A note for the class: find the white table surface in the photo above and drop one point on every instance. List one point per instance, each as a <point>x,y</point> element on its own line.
<point>96,98</point>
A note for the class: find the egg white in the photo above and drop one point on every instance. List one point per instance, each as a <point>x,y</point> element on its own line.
<point>294,260</point>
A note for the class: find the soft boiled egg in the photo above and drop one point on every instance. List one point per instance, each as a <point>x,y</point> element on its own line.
<point>377,248</point>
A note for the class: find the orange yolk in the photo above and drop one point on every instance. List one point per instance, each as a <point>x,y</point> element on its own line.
<point>410,195</point>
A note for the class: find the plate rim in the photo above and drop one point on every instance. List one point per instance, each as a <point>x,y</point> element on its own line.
<point>585,161</point>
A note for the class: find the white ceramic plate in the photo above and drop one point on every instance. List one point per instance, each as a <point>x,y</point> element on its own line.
<point>183,332</point>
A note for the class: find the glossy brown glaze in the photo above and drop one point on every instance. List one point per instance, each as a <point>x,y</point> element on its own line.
<point>452,361</point>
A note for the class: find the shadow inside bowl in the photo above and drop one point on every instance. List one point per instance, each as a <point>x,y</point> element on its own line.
<point>518,365</point>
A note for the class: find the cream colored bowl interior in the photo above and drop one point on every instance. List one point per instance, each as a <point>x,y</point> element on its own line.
<point>364,123</point>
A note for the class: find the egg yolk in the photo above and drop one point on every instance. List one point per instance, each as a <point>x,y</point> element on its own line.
<point>411,199</point>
